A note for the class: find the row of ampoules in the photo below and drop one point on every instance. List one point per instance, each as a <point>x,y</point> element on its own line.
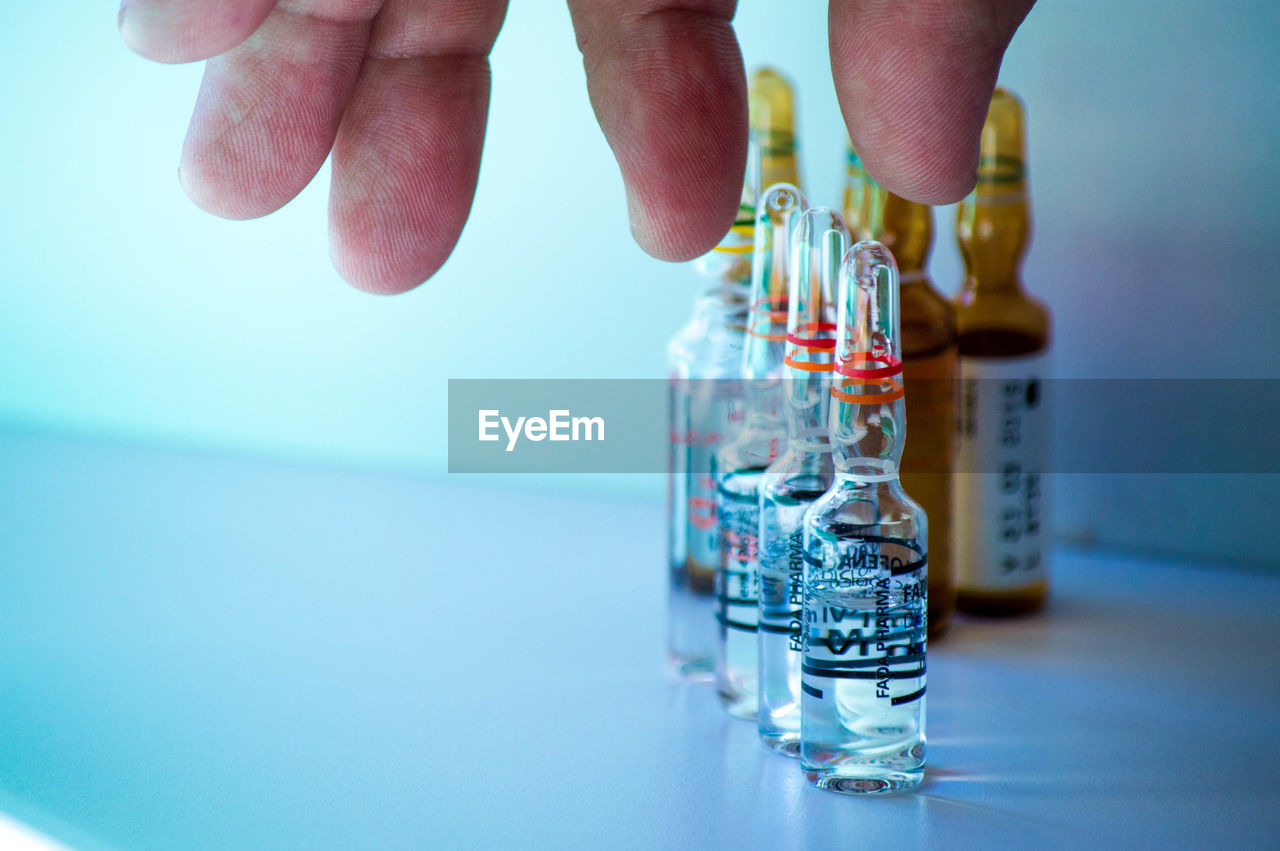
<point>788,522</point>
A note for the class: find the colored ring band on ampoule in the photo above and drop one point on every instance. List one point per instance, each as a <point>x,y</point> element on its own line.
<point>813,343</point>
<point>776,318</point>
<point>805,366</point>
<point>772,338</point>
<point>743,230</point>
<point>774,315</point>
<point>870,398</point>
<point>892,366</point>
<point>816,326</point>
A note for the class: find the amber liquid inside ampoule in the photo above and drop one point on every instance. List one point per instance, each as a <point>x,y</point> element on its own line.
<point>772,102</point>
<point>1001,328</point>
<point>929,368</point>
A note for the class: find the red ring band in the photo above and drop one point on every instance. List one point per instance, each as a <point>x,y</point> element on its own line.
<point>892,367</point>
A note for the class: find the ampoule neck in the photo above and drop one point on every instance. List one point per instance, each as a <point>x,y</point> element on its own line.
<point>993,224</point>
<point>906,230</point>
<point>859,471</point>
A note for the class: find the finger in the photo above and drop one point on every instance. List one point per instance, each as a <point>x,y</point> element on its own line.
<point>408,150</point>
<point>187,30</point>
<point>914,81</point>
<point>668,88</point>
<point>268,110</point>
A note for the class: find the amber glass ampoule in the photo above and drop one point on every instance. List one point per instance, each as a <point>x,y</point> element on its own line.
<point>1004,340</point>
<point>772,103</point>
<point>863,200</point>
<point>930,369</point>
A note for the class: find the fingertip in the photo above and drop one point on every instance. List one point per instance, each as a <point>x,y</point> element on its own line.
<point>669,90</point>
<point>944,191</point>
<point>177,31</point>
<point>405,167</point>
<point>679,235</point>
<point>940,169</point>
<point>684,183</point>
<point>915,88</point>
<point>137,31</point>
<point>378,270</point>
<point>391,226</point>
<point>215,189</point>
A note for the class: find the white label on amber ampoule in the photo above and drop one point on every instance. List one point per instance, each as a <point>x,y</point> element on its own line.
<point>1000,500</point>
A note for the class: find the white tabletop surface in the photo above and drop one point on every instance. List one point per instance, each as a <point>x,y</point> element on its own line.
<point>199,652</point>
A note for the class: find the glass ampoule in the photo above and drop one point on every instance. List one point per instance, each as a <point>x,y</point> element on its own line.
<point>1000,499</point>
<point>704,362</point>
<point>863,199</point>
<point>741,463</point>
<point>930,369</point>
<point>865,552</point>
<point>930,373</point>
<point>772,102</point>
<point>801,475</point>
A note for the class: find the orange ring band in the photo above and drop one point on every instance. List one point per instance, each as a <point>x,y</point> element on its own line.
<point>805,366</point>
<point>772,338</point>
<point>869,398</point>
<point>872,399</point>
<point>775,307</point>
<point>777,317</point>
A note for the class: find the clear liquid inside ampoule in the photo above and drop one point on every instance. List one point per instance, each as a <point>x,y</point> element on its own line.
<point>785,498</point>
<point>703,362</point>
<point>737,589</point>
<point>701,416</point>
<point>863,674</point>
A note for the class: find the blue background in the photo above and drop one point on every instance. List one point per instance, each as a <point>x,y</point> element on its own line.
<point>127,314</point>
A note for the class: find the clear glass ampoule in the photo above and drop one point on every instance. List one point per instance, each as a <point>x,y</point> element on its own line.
<point>741,463</point>
<point>704,363</point>
<point>930,368</point>
<point>801,475</point>
<point>1000,498</point>
<point>865,574</point>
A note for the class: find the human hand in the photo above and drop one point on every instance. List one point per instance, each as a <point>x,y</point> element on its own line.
<point>399,91</point>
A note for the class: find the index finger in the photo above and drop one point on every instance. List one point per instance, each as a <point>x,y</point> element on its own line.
<point>668,87</point>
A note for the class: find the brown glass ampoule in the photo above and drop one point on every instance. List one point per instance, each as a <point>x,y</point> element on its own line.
<point>929,370</point>
<point>1000,511</point>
